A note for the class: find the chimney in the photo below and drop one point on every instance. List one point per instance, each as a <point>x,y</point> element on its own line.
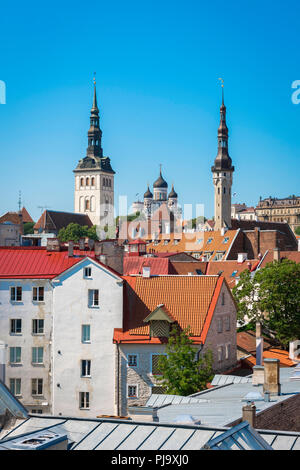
<point>294,350</point>
<point>259,345</point>
<point>70,249</point>
<point>241,257</point>
<point>249,414</point>
<point>276,254</point>
<point>271,376</point>
<point>98,248</point>
<point>103,259</point>
<point>53,244</point>
<point>146,271</point>
<point>3,348</point>
<point>91,244</point>
<point>258,376</point>
<point>81,244</point>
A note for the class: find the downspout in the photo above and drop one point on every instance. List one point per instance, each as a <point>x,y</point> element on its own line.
<point>118,380</point>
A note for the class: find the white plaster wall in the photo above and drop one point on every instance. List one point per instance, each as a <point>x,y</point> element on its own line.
<point>27,310</point>
<point>70,311</point>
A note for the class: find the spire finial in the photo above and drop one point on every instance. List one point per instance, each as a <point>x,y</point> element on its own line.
<point>160,165</point>
<point>95,107</point>
<point>222,85</point>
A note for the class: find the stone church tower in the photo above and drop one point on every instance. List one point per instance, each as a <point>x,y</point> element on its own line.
<point>94,177</point>
<point>222,175</point>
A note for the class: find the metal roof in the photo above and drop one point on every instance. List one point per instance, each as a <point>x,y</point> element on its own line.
<point>240,437</point>
<point>224,403</point>
<point>113,434</point>
<point>220,379</point>
<point>10,403</point>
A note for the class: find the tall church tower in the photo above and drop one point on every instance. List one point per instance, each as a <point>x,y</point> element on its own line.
<point>94,177</point>
<point>222,174</point>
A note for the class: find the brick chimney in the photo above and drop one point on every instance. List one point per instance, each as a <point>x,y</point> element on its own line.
<point>271,377</point>
<point>249,414</point>
<point>276,254</point>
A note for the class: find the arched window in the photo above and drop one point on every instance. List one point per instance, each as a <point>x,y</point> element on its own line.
<point>224,190</point>
<point>92,207</point>
<point>87,205</point>
<point>109,183</point>
<point>81,181</point>
<point>87,181</point>
<point>104,182</point>
<point>93,181</point>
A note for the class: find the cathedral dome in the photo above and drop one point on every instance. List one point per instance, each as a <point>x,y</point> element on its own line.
<point>160,182</point>
<point>148,194</point>
<point>173,193</point>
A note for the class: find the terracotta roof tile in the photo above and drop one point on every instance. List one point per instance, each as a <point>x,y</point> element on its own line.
<point>291,255</point>
<point>231,270</point>
<point>210,241</point>
<point>187,298</point>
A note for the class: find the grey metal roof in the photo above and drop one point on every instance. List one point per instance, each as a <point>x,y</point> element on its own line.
<point>113,434</point>
<point>157,400</point>
<point>10,403</point>
<point>240,437</point>
<point>224,403</point>
<point>220,379</point>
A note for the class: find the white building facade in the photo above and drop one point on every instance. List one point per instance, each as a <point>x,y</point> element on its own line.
<point>60,358</point>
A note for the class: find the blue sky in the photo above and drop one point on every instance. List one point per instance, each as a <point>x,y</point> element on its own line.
<point>157,65</point>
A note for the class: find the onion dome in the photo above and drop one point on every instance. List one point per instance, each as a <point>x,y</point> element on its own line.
<point>160,182</point>
<point>173,193</point>
<point>148,194</point>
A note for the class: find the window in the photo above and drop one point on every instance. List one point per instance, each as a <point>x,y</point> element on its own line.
<point>85,333</point>
<point>87,205</point>
<point>132,360</point>
<point>209,240</point>
<point>227,323</point>
<point>220,325</point>
<point>16,326</point>
<point>38,294</point>
<point>37,387</point>
<point>84,400</point>
<point>37,327</point>
<point>15,355</point>
<point>132,391</point>
<point>93,298</point>
<point>37,355</point>
<point>15,386</point>
<point>220,353</point>
<point>87,272</point>
<point>157,390</point>
<point>16,294</point>
<point>154,364</point>
<point>227,351</point>
<point>226,239</point>
<point>93,181</point>
<point>85,368</point>
<point>37,412</point>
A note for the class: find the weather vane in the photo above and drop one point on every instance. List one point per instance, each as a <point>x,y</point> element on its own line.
<point>222,85</point>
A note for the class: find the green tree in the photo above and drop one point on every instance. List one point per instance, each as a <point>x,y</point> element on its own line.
<point>75,232</point>
<point>182,372</point>
<point>297,230</point>
<point>272,296</point>
<point>28,228</point>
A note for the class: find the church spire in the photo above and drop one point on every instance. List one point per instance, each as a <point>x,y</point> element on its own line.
<point>94,134</point>
<point>223,160</point>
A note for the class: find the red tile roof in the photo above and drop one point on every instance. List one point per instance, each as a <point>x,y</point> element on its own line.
<point>191,300</point>
<point>246,341</point>
<point>273,353</point>
<point>291,255</point>
<point>134,265</point>
<point>231,269</point>
<point>186,267</point>
<point>25,216</point>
